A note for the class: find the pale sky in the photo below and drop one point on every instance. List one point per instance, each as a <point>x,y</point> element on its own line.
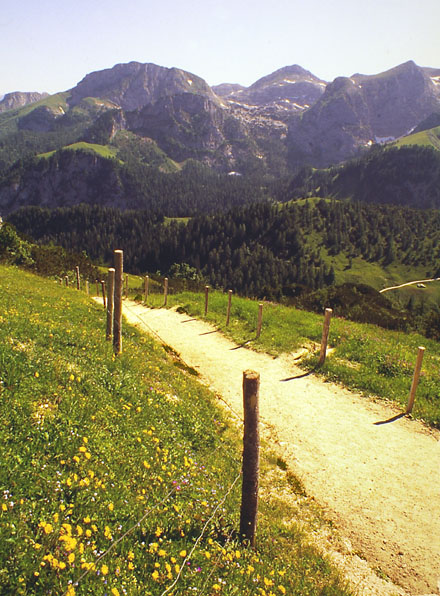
<point>49,45</point>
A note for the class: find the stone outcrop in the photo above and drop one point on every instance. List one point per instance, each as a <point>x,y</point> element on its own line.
<point>19,99</point>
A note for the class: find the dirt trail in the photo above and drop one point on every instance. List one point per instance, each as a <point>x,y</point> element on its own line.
<point>380,483</point>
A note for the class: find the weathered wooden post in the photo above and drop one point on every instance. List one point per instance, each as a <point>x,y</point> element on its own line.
<point>415,381</point>
<point>206,299</point>
<point>66,280</point>
<point>103,292</point>
<point>251,457</point>
<point>228,312</point>
<point>146,287</point>
<point>110,302</point>
<point>260,318</point>
<point>165,291</point>
<point>117,311</point>
<point>87,287</point>
<point>324,340</point>
<point>78,283</point>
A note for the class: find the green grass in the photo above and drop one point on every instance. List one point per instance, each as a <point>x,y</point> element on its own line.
<point>103,150</point>
<point>426,138</point>
<point>118,472</point>
<point>363,357</point>
<point>9,119</point>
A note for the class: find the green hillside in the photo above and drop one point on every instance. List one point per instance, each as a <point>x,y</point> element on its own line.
<point>105,151</point>
<point>121,475</point>
<point>425,138</point>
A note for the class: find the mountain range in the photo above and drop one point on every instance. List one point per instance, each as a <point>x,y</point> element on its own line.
<point>164,117</point>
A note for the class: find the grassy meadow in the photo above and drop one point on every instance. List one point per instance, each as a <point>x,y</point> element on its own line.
<point>120,475</point>
<point>364,357</point>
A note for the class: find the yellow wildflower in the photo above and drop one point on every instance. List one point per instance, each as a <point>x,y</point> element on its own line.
<point>104,570</point>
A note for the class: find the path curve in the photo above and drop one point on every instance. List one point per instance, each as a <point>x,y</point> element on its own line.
<point>409,283</point>
<point>380,483</point>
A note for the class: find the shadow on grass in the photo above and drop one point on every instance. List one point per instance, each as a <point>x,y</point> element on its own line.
<point>397,417</point>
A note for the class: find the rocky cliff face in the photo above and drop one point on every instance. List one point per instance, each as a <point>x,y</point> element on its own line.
<point>134,85</point>
<point>19,99</point>
<point>67,178</point>
<point>358,111</point>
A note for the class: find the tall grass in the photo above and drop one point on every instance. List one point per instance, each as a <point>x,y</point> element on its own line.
<point>120,475</point>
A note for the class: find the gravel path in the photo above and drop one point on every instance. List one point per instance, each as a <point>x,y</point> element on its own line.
<point>380,483</point>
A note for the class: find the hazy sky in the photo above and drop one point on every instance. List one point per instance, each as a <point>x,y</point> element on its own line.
<point>49,45</point>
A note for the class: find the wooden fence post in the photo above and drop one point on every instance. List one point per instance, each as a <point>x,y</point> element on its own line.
<point>66,280</point>
<point>117,311</point>
<point>324,340</point>
<point>228,313</point>
<point>415,381</point>
<point>78,283</point>
<point>260,318</point>
<point>251,457</point>
<point>146,287</point>
<point>103,292</point>
<point>206,299</point>
<point>126,285</point>
<point>87,287</point>
<point>165,291</point>
<point>110,302</point>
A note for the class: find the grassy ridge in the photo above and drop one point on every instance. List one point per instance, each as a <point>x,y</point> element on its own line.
<point>428,138</point>
<point>364,357</point>
<point>103,150</point>
<point>118,474</point>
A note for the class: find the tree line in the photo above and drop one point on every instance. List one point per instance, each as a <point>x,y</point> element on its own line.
<point>263,249</point>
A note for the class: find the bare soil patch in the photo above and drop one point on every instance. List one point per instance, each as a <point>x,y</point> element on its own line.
<point>379,483</point>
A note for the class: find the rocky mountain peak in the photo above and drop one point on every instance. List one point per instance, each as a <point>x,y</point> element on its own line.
<point>294,73</point>
<point>291,88</point>
<point>135,85</point>
<point>19,99</point>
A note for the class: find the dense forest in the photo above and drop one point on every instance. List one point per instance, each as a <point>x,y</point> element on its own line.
<point>402,176</point>
<point>263,249</point>
<point>73,176</point>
